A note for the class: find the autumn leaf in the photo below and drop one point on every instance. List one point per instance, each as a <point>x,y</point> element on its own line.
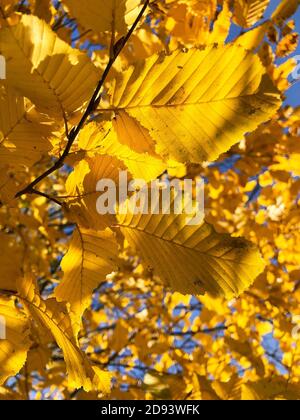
<point>265,390</point>
<point>119,139</point>
<point>149,200</point>
<point>15,344</point>
<point>248,12</point>
<point>192,259</point>
<point>106,15</point>
<point>32,70</point>
<point>285,9</point>
<point>55,318</point>
<point>10,262</point>
<point>91,256</point>
<point>253,38</point>
<point>83,192</point>
<point>194,110</point>
<point>24,133</point>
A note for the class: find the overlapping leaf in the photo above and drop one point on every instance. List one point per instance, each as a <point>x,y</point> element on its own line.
<point>82,191</point>
<point>54,317</point>
<point>127,141</point>
<point>91,256</point>
<point>105,15</point>
<point>10,262</point>
<point>249,12</point>
<point>14,348</point>
<point>23,132</point>
<point>265,390</point>
<point>44,68</point>
<point>191,106</point>
<point>192,259</point>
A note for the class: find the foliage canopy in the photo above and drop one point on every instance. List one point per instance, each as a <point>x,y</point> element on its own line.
<point>130,306</point>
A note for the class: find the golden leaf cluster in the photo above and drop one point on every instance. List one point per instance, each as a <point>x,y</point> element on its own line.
<point>127,306</point>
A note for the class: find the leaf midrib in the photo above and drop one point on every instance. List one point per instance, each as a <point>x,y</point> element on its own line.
<point>169,241</point>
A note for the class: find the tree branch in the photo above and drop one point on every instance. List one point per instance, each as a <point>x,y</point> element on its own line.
<point>204,331</point>
<point>92,106</point>
<point>49,197</point>
<point>8,293</point>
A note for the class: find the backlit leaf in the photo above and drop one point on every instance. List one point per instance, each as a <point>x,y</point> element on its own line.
<point>196,105</point>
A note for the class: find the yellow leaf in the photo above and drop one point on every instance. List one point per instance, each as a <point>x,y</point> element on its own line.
<point>8,185</point>
<point>23,132</point>
<point>287,45</point>
<point>217,305</point>
<point>196,105</point>
<point>144,44</point>
<point>264,328</point>
<point>192,259</point>
<point>221,26</point>
<point>120,338</point>
<point>42,67</point>
<point>15,345</point>
<point>229,391</point>
<point>91,256</point>
<point>105,15</point>
<point>126,141</point>
<point>270,389</point>
<point>285,9</point>
<point>190,21</point>
<point>282,72</point>
<point>289,163</point>
<point>54,317</point>
<point>244,349</point>
<point>203,389</point>
<point>10,262</point>
<point>266,179</point>
<point>82,192</point>
<point>248,12</point>
<point>252,39</point>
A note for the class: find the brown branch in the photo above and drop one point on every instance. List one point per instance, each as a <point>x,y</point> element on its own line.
<point>8,293</point>
<point>49,197</point>
<point>135,367</point>
<point>204,331</point>
<point>92,106</point>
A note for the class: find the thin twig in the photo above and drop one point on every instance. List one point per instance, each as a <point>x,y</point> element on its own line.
<point>5,292</point>
<point>92,106</point>
<point>77,38</point>
<point>49,197</point>
<point>204,331</point>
